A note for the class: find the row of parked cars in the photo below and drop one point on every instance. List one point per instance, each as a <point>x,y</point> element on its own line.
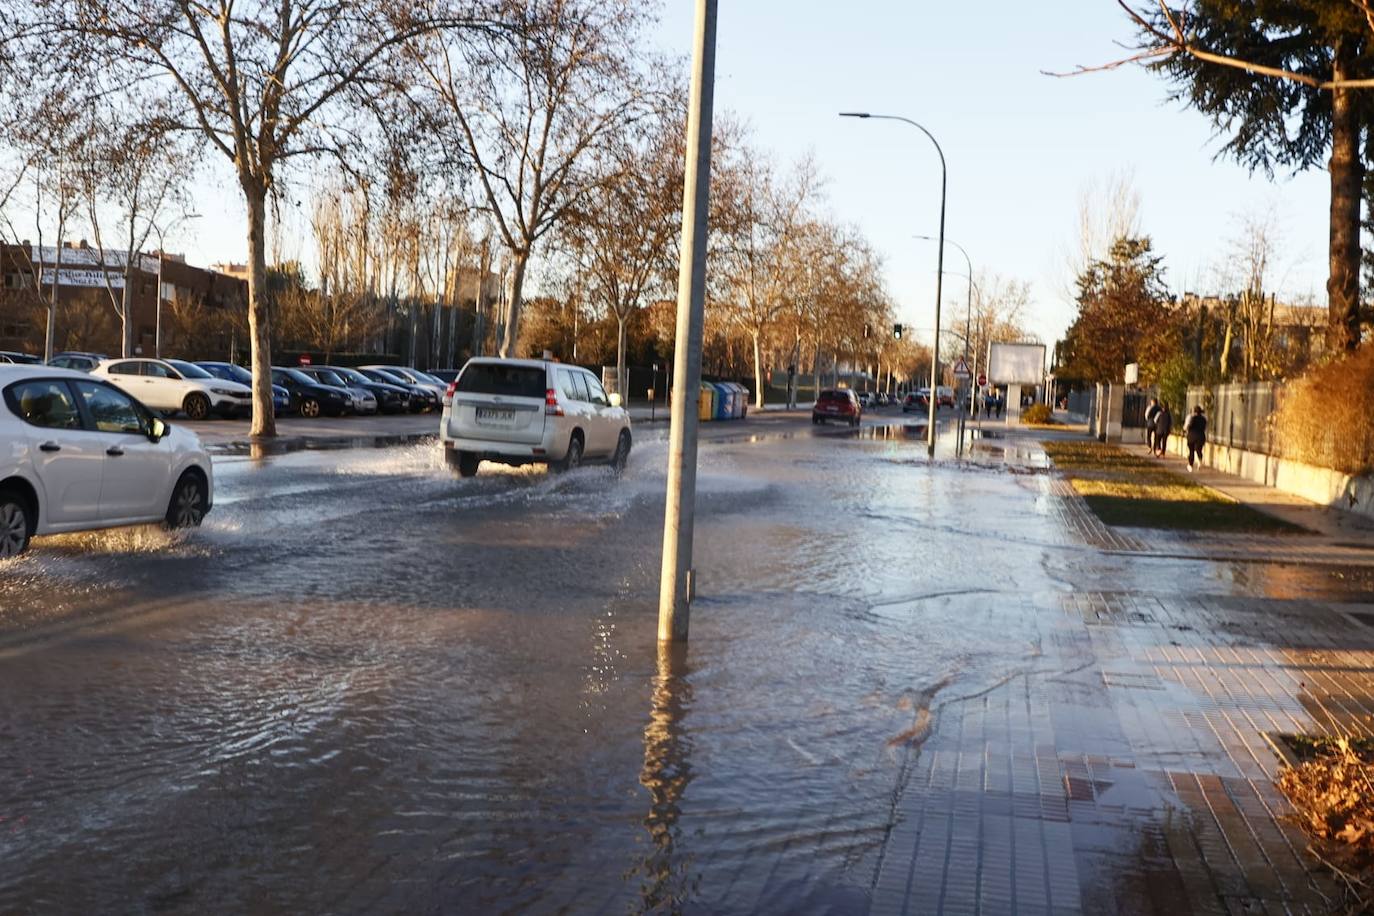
<point>212,388</point>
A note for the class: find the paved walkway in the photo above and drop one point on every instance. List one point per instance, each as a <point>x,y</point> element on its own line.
<point>1129,766</point>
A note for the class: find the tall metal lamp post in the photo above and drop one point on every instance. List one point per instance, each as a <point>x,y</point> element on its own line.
<point>968,319</point>
<point>939,268</point>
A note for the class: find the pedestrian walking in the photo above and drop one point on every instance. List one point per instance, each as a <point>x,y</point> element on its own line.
<point>1001,404</point>
<point>1195,431</point>
<point>1164,424</point>
<point>1151,412</point>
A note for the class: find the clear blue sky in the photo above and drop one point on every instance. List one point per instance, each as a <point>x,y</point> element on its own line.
<point>1021,146</point>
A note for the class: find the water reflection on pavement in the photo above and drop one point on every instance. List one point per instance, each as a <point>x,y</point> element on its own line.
<point>367,686</point>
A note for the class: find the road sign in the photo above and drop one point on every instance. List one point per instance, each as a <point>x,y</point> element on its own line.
<point>961,369</point>
<point>982,379</point>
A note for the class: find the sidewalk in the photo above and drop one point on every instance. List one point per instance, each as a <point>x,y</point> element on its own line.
<point>1129,764</point>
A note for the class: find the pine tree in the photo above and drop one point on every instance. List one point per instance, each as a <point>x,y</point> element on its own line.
<point>1289,122</point>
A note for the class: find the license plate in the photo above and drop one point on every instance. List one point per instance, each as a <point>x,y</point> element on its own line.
<point>495,415</point>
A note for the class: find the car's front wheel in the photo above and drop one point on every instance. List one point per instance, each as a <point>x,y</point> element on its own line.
<point>310,408</point>
<point>189,502</point>
<point>196,406</point>
<point>15,524</point>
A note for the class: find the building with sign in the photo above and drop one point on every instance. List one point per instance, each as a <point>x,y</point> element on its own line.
<point>203,311</point>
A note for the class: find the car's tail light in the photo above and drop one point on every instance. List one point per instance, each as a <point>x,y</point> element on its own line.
<point>448,393</point>
<point>551,406</point>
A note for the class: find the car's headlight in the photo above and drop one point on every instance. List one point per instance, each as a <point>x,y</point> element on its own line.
<point>227,392</point>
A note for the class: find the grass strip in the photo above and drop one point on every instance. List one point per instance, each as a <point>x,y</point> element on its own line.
<point>1132,490</point>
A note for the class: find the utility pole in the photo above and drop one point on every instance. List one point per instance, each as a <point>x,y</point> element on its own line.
<point>676,586</point>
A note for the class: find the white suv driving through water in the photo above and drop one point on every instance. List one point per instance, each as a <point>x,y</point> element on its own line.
<point>531,411</point>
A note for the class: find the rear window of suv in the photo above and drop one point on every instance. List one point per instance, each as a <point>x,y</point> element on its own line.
<point>499,378</point>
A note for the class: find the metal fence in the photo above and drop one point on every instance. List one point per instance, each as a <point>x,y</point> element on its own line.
<point>1238,416</point>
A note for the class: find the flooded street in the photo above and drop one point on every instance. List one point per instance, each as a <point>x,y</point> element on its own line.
<point>367,686</point>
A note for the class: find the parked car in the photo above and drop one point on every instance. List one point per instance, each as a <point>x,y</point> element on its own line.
<point>74,359</point>
<point>175,385</point>
<point>916,400</point>
<point>310,396</point>
<point>837,404</point>
<point>945,394</point>
<point>81,454</point>
<point>445,375</point>
<point>364,401</point>
<point>422,397</point>
<point>529,411</point>
<point>232,372</point>
<point>12,356</point>
<point>414,377</point>
<point>390,398</point>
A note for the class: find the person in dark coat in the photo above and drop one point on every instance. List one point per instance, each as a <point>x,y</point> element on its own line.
<point>1195,431</point>
<point>1151,412</point>
<point>1164,424</point>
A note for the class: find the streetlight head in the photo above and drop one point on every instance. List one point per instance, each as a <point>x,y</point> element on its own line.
<point>855,114</point>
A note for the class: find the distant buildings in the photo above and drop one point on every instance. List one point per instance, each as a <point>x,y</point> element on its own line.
<point>201,307</point>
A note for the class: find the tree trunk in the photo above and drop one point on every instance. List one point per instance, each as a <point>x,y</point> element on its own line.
<point>126,311</point>
<point>758,372</point>
<point>1347,176</point>
<point>621,380</point>
<point>514,303</point>
<point>259,324</point>
<point>1224,360</point>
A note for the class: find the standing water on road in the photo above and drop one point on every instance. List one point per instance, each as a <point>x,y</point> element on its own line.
<point>365,685</point>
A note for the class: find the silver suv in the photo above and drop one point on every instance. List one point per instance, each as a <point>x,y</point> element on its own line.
<point>531,411</point>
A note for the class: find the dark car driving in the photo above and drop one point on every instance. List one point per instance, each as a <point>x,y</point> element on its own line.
<point>837,404</point>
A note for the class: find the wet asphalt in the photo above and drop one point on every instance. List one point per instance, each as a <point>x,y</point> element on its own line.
<point>368,686</point>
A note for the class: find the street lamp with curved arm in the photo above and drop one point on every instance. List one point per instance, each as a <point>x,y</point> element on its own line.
<point>940,265</point>
<point>968,318</point>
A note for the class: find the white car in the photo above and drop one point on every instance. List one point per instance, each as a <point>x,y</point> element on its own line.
<point>531,411</point>
<point>77,453</point>
<point>173,384</point>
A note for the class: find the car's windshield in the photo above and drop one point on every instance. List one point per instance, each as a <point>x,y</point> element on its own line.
<point>503,378</point>
<point>425,377</point>
<point>188,370</point>
<point>390,376</point>
<point>235,373</point>
<point>297,376</point>
<point>350,375</point>
<point>329,378</point>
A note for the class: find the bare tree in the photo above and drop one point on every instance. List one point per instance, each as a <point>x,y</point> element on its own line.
<point>49,177</point>
<point>620,235</point>
<point>263,82</point>
<point>529,107</point>
<point>761,259</point>
<point>128,179</point>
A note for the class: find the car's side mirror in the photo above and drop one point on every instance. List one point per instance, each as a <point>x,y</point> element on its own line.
<point>157,429</point>
<point>615,400</point>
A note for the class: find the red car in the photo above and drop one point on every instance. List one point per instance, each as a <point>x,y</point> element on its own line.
<point>837,404</point>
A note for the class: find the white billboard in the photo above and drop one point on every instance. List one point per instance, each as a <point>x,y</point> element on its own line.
<point>76,276</point>
<point>1016,363</point>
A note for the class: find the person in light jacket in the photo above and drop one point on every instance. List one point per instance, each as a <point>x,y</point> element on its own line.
<point>1195,431</point>
<point>1164,424</point>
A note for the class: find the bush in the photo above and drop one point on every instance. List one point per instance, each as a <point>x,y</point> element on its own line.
<point>1037,413</point>
<point>1326,417</point>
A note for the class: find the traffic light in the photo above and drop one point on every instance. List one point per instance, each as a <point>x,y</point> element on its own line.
<point>896,332</point>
